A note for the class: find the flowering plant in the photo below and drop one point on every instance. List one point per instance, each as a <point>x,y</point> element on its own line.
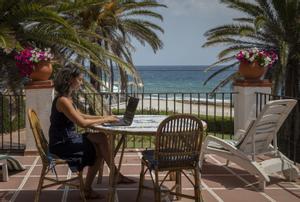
<point>262,57</point>
<point>26,59</point>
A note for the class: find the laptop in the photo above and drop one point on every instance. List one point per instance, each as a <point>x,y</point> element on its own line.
<point>129,114</point>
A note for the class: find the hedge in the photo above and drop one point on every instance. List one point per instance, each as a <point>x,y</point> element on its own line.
<point>10,122</point>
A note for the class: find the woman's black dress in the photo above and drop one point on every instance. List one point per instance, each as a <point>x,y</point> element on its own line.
<point>67,144</point>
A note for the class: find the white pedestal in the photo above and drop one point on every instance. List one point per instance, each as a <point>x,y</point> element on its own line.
<point>245,101</point>
<point>39,96</point>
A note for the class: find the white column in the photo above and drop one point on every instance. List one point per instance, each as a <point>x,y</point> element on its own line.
<point>39,96</point>
<point>245,100</point>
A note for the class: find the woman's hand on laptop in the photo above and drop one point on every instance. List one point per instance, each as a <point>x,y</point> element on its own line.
<point>111,118</point>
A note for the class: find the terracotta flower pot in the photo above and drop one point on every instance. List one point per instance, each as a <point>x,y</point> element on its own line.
<point>42,71</point>
<point>251,71</point>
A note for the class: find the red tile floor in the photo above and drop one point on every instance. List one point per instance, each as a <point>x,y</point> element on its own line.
<point>219,183</point>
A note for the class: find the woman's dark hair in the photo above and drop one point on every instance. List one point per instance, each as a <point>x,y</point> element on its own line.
<point>63,79</point>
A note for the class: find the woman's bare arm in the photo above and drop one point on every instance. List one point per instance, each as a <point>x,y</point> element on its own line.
<point>65,106</point>
<point>88,116</point>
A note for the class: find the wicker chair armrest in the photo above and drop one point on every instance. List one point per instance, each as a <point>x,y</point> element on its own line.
<point>60,161</point>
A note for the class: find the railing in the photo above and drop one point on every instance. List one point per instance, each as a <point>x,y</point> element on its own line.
<point>12,122</point>
<point>289,133</point>
<point>217,110</point>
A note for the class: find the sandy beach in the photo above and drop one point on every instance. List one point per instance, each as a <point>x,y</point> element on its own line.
<point>182,107</point>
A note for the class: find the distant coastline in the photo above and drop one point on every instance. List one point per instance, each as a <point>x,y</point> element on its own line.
<point>180,78</point>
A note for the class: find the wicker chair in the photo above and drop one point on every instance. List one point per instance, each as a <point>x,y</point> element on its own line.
<point>49,161</point>
<point>177,148</point>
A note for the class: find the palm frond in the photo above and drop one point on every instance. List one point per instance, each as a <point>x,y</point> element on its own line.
<point>267,9</point>
<point>143,13</point>
<point>241,20</point>
<point>230,29</point>
<point>231,41</point>
<point>220,61</point>
<point>225,82</point>
<point>78,5</point>
<point>245,7</point>
<point>8,40</point>
<point>143,33</point>
<point>232,49</point>
<point>32,12</point>
<point>142,5</point>
<point>220,71</point>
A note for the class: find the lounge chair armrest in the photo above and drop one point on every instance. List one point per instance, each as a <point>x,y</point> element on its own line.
<point>220,141</point>
<point>231,148</point>
<point>239,134</point>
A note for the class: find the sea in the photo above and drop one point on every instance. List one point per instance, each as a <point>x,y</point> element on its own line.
<point>182,79</point>
<point>178,79</point>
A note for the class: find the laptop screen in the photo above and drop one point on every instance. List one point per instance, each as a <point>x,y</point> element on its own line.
<point>130,109</point>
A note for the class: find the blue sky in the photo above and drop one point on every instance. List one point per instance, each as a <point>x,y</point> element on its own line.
<point>185,22</point>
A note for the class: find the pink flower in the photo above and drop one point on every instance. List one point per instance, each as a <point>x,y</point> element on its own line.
<point>26,59</point>
<point>263,57</point>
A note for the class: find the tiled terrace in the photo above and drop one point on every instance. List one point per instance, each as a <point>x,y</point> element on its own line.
<point>219,183</point>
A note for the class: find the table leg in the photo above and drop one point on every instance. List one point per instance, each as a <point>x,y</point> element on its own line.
<point>114,174</point>
<point>112,196</point>
<point>178,184</point>
<point>172,176</point>
<point>121,141</point>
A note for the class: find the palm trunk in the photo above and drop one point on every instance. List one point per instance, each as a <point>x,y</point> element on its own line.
<point>95,83</point>
<point>111,83</point>
<point>123,80</point>
<point>292,80</point>
<point>112,76</point>
<point>291,134</point>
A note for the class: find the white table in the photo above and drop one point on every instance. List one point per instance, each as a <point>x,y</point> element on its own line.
<point>143,125</point>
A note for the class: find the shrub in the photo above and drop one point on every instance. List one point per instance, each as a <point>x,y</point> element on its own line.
<point>11,121</point>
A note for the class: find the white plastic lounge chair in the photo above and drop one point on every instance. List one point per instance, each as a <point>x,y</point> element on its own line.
<point>11,164</point>
<point>3,164</point>
<point>256,140</point>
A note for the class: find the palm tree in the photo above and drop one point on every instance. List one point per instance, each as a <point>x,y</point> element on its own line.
<point>46,23</point>
<point>24,23</point>
<point>57,24</point>
<point>265,24</point>
<point>120,21</point>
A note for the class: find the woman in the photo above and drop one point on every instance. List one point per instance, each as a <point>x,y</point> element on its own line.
<point>79,150</point>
